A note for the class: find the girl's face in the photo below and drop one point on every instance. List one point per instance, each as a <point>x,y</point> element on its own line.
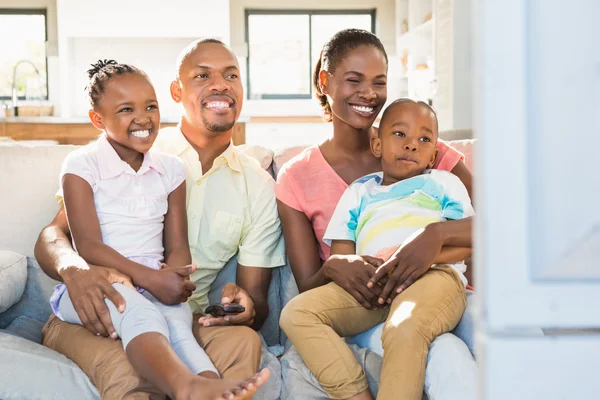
<point>357,89</point>
<point>128,112</point>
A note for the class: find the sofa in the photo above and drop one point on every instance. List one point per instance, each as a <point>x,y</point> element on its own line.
<point>28,370</point>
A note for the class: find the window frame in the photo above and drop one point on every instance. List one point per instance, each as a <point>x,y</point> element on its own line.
<point>31,11</point>
<point>310,12</point>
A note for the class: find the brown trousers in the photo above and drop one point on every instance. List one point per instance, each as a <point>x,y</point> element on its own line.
<point>316,320</point>
<point>234,350</point>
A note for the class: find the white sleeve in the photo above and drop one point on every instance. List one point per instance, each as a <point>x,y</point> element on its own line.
<point>457,203</point>
<point>176,172</point>
<point>77,163</point>
<point>343,223</point>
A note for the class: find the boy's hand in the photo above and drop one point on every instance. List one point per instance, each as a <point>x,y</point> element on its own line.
<point>352,273</point>
<point>416,255</point>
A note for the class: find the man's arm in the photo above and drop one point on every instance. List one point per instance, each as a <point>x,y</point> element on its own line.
<point>255,281</point>
<point>88,287</point>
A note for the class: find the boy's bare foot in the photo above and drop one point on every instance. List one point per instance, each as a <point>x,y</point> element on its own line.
<point>200,388</point>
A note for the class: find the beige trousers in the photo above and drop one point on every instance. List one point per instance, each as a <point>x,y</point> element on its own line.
<point>234,350</point>
<point>316,321</point>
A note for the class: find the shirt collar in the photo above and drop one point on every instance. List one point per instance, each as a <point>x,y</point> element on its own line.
<point>230,156</point>
<point>111,165</point>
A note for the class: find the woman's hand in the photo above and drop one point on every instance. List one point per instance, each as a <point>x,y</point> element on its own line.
<point>418,253</point>
<point>352,273</point>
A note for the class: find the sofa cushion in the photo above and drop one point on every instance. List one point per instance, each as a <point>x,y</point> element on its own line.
<point>282,156</point>
<point>13,275</point>
<point>30,175</point>
<point>32,371</point>
<point>34,302</point>
<point>300,384</point>
<point>261,154</point>
<point>467,147</point>
<point>27,328</point>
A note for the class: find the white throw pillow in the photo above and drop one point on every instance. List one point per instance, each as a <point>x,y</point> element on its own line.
<point>13,276</point>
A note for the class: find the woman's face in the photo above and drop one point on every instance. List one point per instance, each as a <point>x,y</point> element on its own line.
<point>357,88</point>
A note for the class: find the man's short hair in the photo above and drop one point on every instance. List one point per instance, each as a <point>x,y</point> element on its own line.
<point>190,48</point>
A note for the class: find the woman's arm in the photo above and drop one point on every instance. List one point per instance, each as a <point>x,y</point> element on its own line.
<point>350,272</point>
<point>465,176</point>
<point>453,254</point>
<point>175,238</point>
<point>302,248</point>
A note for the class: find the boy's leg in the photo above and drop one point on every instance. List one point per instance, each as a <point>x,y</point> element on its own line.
<point>429,307</point>
<point>179,322</point>
<point>315,322</point>
<point>235,351</point>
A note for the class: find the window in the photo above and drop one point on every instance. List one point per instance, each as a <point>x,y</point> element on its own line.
<point>23,36</point>
<point>284,46</point>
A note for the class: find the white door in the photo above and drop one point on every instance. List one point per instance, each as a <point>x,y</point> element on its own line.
<point>537,118</point>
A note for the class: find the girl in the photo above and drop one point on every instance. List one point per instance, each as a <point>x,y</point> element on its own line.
<point>126,209</point>
<point>350,83</point>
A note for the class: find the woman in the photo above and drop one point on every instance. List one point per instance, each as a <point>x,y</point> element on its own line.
<point>350,83</point>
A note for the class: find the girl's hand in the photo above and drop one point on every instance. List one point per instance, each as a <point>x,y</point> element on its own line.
<point>170,285</point>
<point>409,262</point>
<point>352,273</point>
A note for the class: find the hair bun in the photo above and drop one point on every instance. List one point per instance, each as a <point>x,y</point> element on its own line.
<point>97,67</point>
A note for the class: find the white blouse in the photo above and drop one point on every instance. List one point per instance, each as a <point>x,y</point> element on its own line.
<point>131,205</point>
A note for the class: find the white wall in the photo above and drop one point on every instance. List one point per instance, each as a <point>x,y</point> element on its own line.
<point>148,34</point>
<point>453,100</point>
<point>51,22</point>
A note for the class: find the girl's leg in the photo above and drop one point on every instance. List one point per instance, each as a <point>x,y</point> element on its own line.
<point>144,333</point>
<point>315,322</point>
<point>429,307</point>
<point>179,320</point>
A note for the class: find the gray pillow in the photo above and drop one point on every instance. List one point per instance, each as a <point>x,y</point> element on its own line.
<point>34,302</point>
<point>32,371</point>
<point>13,275</point>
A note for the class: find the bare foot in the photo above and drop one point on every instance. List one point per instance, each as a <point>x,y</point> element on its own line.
<point>200,388</point>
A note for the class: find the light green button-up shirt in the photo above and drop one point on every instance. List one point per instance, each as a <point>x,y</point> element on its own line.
<point>231,209</point>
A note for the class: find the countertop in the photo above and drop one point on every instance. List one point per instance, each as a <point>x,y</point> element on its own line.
<point>77,120</point>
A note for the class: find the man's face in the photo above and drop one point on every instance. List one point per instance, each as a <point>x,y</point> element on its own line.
<point>210,88</point>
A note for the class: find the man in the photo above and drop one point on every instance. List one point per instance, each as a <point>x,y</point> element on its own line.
<point>231,209</point>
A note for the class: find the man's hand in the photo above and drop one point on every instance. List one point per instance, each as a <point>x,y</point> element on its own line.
<point>352,273</point>
<point>88,287</point>
<point>232,294</point>
<point>416,255</point>
<point>170,285</point>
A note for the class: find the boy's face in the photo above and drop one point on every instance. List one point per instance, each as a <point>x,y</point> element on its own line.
<point>406,142</point>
